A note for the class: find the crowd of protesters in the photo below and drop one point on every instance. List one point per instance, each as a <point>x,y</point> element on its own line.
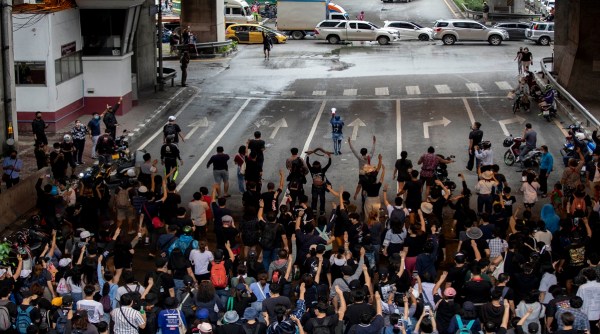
<point>385,260</point>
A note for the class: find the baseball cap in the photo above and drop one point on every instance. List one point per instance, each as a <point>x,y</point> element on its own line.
<point>64,262</point>
<point>57,301</point>
<point>172,118</point>
<point>449,292</point>
<point>205,327</point>
<point>202,314</point>
<point>85,234</point>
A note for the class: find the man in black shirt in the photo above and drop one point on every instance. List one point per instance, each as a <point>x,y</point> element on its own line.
<point>257,145</point>
<point>105,147</point>
<point>38,127</point>
<point>319,185</point>
<point>169,154</point>
<point>109,119</point>
<point>475,137</point>
<point>220,171</point>
<point>172,129</point>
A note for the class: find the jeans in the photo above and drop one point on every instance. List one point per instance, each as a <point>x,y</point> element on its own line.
<point>79,146</point>
<point>337,142</point>
<point>484,201</point>
<point>178,284</point>
<point>170,164</point>
<point>94,143</point>
<point>524,152</point>
<point>240,179</point>
<point>269,255</point>
<point>318,193</point>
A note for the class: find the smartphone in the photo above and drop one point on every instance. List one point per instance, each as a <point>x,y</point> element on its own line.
<point>427,309</point>
<point>415,274</point>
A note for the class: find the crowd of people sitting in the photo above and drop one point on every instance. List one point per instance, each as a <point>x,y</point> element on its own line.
<point>405,262</point>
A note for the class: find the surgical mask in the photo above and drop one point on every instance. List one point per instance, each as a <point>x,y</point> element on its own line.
<point>97,117</point>
<point>13,156</point>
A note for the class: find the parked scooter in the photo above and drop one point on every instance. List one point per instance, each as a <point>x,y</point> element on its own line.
<point>531,159</point>
<point>576,138</point>
<point>441,173</point>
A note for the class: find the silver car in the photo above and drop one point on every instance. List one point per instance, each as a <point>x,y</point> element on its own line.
<point>450,31</point>
<point>410,30</point>
<point>540,32</point>
<point>516,30</point>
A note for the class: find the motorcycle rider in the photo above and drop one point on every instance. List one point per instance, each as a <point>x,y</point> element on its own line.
<point>105,147</point>
<point>530,137</point>
<point>547,98</point>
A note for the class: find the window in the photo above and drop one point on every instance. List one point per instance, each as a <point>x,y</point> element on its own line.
<point>441,24</point>
<point>352,25</point>
<point>30,73</point>
<point>462,25</point>
<point>67,67</point>
<point>551,27</point>
<point>474,25</point>
<point>507,25</point>
<point>364,26</point>
<point>236,11</point>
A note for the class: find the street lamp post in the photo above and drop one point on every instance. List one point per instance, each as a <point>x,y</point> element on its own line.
<point>161,83</point>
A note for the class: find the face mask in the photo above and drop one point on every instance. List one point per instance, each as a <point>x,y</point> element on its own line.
<point>78,125</point>
<point>39,116</point>
<point>13,156</point>
<point>96,117</point>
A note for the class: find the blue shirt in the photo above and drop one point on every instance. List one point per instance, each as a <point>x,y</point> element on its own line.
<point>16,163</point>
<point>547,161</point>
<point>336,125</point>
<point>260,292</point>
<point>94,125</point>
<point>169,320</point>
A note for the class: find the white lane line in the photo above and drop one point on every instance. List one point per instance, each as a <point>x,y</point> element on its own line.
<point>160,131</point>
<point>382,91</point>
<point>443,89</point>
<point>413,90</point>
<point>350,92</point>
<point>474,87</point>
<point>469,111</point>
<point>311,134</point>
<point>288,93</point>
<point>210,149</point>
<point>257,92</point>
<point>319,92</point>
<point>503,85</point>
<point>398,130</point>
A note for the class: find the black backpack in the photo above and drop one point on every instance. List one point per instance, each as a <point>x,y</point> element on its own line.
<point>170,130</point>
<point>268,236</point>
<point>322,328</point>
<point>250,232</point>
<point>135,295</point>
<point>397,215</point>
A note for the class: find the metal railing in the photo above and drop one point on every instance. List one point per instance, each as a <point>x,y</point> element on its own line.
<point>206,45</point>
<point>575,106</point>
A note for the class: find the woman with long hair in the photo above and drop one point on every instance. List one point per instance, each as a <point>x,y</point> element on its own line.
<point>206,297</point>
<point>241,298</point>
<point>81,323</point>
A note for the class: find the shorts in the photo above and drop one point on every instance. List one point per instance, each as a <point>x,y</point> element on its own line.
<point>221,175</point>
<point>428,180</point>
<point>402,179</point>
<point>125,213</point>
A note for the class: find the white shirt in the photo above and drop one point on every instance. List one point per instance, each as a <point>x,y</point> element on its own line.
<point>545,237</point>
<point>530,192</point>
<point>74,288</point>
<point>201,261</point>
<point>94,309</point>
<point>121,290</point>
<point>121,325</point>
<point>485,156</point>
<point>548,280</point>
<point>590,293</point>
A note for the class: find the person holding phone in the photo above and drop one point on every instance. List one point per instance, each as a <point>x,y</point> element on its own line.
<point>426,323</point>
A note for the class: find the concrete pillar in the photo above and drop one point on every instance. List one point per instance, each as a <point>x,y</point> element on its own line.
<point>144,48</point>
<point>206,19</point>
<point>576,47</point>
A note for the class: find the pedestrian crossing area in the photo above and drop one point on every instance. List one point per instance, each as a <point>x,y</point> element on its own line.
<point>493,87</point>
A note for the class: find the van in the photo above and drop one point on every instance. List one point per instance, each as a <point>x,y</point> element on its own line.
<point>238,11</point>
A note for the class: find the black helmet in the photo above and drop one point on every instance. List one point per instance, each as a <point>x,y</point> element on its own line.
<point>486,144</point>
<point>507,142</point>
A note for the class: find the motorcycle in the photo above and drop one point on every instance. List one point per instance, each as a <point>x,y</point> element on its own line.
<point>549,111</point>
<point>576,138</point>
<point>521,101</point>
<point>441,173</point>
<point>531,159</point>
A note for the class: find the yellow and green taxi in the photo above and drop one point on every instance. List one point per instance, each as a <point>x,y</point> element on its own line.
<point>252,33</point>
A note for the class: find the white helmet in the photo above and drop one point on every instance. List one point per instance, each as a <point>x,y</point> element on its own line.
<point>580,136</point>
<point>67,138</point>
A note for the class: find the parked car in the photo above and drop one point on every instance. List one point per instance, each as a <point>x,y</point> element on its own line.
<point>335,31</point>
<point>450,31</point>
<point>252,33</point>
<point>546,6</point>
<point>410,30</point>
<point>540,32</point>
<point>516,30</point>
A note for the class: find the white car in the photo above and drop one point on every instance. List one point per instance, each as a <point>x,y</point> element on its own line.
<point>547,5</point>
<point>410,30</point>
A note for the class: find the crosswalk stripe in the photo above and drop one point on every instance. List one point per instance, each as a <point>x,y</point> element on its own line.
<point>382,91</point>
<point>288,93</point>
<point>257,92</point>
<point>350,92</point>
<point>474,87</point>
<point>443,89</point>
<point>319,92</point>
<point>503,85</point>
<point>413,90</point>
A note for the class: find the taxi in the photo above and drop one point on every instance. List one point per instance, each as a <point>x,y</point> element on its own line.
<point>252,33</point>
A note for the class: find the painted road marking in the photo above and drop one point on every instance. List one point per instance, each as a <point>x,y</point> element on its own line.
<point>257,92</point>
<point>350,92</point>
<point>413,90</point>
<point>279,124</point>
<point>357,123</point>
<point>474,87</point>
<point>201,123</point>
<point>443,89</point>
<point>469,111</point>
<point>319,92</point>
<point>382,91</point>
<point>160,130</point>
<point>444,121</point>
<point>398,130</point>
<point>210,149</point>
<point>311,134</point>
<point>504,122</point>
<point>503,85</point>
<point>288,93</point>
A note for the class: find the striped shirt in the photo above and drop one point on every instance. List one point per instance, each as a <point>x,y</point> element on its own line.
<point>127,320</point>
<point>497,246</point>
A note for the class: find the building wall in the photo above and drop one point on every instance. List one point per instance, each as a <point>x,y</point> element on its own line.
<point>106,79</point>
<point>144,62</point>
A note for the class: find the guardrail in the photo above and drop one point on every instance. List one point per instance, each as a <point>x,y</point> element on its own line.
<point>477,14</point>
<point>201,46</point>
<point>590,120</point>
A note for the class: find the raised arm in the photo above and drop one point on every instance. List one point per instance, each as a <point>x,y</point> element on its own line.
<point>439,283</point>
<point>384,195</point>
<point>423,227</point>
<point>342,305</point>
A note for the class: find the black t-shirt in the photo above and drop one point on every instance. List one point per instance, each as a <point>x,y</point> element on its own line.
<point>168,209</point>
<point>413,194</point>
<point>162,283</point>
<point>331,320</point>
<point>279,231</point>
<point>403,166</point>
<point>477,291</point>
<point>415,244</point>
<point>356,233</point>
<point>35,315</point>
<point>476,136</point>
<point>372,189</point>
<point>252,170</point>
<point>172,129</point>
<point>230,329</point>
<point>355,311</point>
<point>257,145</point>
<point>269,304</point>
<point>270,199</point>
<point>251,198</point>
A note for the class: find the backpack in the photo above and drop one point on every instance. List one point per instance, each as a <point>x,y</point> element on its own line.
<point>122,199</point>
<point>170,130</point>
<point>250,232</point>
<point>578,205</point>
<point>322,328</point>
<point>62,287</point>
<point>135,295</point>
<point>5,320</point>
<point>462,329</point>
<point>298,167</point>
<point>398,215</point>
<point>268,236</point>
<point>61,322</point>
<point>23,319</point>
<point>318,179</point>
<point>218,275</point>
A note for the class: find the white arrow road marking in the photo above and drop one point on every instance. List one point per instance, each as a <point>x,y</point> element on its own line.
<point>201,123</point>
<point>382,91</point>
<point>504,122</point>
<point>444,121</point>
<point>355,125</point>
<point>319,92</point>
<point>279,124</point>
<point>413,90</point>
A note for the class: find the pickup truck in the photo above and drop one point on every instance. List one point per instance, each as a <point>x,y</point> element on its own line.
<point>335,31</point>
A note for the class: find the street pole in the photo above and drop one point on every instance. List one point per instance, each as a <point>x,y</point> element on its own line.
<point>161,83</point>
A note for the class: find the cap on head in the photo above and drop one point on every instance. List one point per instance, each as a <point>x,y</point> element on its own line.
<point>172,118</point>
